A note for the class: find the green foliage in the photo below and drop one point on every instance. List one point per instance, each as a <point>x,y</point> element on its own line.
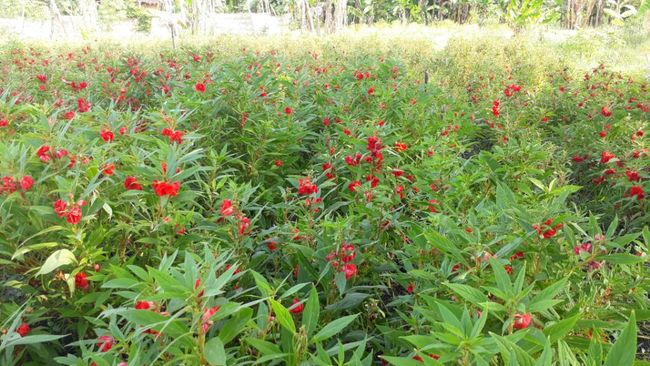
<point>304,203</point>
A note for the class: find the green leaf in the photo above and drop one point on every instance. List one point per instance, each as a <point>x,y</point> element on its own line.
<point>262,284</point>
<point>57,259</point>
<point>311,313</point>
<point>32,339</point>
<point>558,330</point>
<point>543,300</point>
<point>546,359</point>
<point>266,348</point>
<point>401,361</point>
<point>501,276</point>
<point>333,328</point>
<point>214,352</point>
<point>283,316</point>
<point>623,351</point>
<point>469,293</point>
<point>235,325</point>
<point>622,258</point>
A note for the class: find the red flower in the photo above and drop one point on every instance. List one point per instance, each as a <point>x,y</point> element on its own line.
<point>199,87</point>
<point>83,105</point>
<point>632,176</point>
<point>26,183</point>
<point>206,323</point>
<point>131,184</point>
<point>602,134</point>
<point>105,343</point>
<point>518,255</point>
<point>288,111</point>
<point>244,224</point>
<point>69,115</point>
<point>61,208</point>
<point>162,188</point>
<point>584,247</point>
<point>4,123</point>
<point>371,90</point>
<point>400,191</point>
<point>496,108</point>
<point>23,329</point>
<point>73,216</point>
<point>605,111</point>
<point>107,135</point>
<point>42,78</point>
<point>279,163</point>
<point>109,169</point>
<point>606,156</point>
<point>227,208</point>
<point>43,153</point>
<point>400,146</point>
<point>144,305</point>
<point>174,136</point>
<point>522,321</point>
<point>353,186</point>
<point>81,280</point>
<point>638,192</point>
<point>410,288</point>
<point>350,270</point>
<point>297,309</point>
<point>272,245</point>
<point>306,187</point>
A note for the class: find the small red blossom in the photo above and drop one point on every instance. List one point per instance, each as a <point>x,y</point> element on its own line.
<point>23,329</point>
<point>131,184</point>
<point>606,156</point>
<point>105,343</point>
<point>109,169</point>
<point>605,111</point>
<point>352,187</point>
<point>107,135</point>
<point>163,188</point>
<point>144,305</point>
<point>637,191</point>
<point>522,321</point>
<point>297,307</point>
<point>73,216</point>
<point>227,209</point>
<point>26,183</point>
<point>350,270</point>
<point>306,187</point>
<point>199,87</point>
<point>81,280</point>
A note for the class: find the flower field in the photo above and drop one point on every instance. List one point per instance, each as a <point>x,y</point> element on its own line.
<point>244,203</point>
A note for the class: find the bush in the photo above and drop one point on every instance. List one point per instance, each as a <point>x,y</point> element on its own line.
<point>304,203</point>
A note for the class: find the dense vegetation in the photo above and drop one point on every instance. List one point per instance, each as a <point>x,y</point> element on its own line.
<point>334,15</point>
<point>321,203</point>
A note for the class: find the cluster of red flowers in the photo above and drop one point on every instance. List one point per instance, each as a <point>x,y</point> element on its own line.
<point>131,184</point>
<point>342,259</point>
<point>547,230</point>
<point>164,188</point>
<point>174,136</point>
<point>10,185</point>
<point>511,89</point>
<point>71,211</point>
<point>227,209</point>
<point>496,108</point>
<point>46,154</point>
<point>306,187</point>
